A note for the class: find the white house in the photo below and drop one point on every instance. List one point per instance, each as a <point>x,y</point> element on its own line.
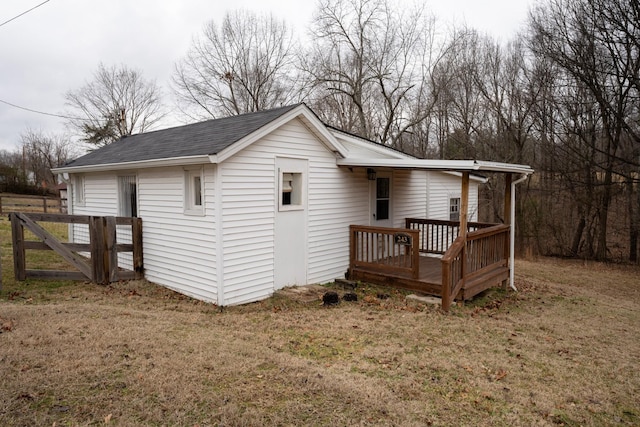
<point>236,208</point>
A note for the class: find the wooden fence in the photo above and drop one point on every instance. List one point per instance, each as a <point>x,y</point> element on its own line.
<point>15,203</point>
<point>102,265</point>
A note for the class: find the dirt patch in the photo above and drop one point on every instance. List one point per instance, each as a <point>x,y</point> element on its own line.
<point>304,294</point>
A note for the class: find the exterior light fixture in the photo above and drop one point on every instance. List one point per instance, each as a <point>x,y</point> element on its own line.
<point>371,174</point>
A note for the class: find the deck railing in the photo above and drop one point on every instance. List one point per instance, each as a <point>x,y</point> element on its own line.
<point>486,248</point>
<point>436,236</point>
<point>384,249</point>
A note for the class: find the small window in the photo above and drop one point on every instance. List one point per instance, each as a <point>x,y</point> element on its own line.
<point>291,191</point>
<point>454,209</point>
<point>193,192</point>
<point>128,195</point>
<point>78,190</point>
<point>383,191</point>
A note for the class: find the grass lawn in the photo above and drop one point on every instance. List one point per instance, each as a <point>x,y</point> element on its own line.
<point>564,350</point>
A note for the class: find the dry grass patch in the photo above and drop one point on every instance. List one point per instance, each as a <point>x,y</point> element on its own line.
<point>562,351</point>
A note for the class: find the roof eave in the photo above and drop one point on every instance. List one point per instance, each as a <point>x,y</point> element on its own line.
<point>438,165</point>
<point>140,164</point>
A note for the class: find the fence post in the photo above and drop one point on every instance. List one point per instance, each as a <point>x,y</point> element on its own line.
<point>111,255</point>
<point>44,204</point>
<point>97,241</point>
<point>17,233</point>
<point>136,239</point>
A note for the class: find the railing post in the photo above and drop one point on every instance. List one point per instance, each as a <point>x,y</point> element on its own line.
<point>415,253</point>
<point>44,204</point>
<point>446,285</point>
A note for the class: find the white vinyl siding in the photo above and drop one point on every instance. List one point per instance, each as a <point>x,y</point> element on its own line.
<point>444,186</point>
<point>336,198</point>
<point>409,195</point>
<point>179,249</point>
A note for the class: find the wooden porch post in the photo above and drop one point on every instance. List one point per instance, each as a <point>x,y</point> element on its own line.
<point>464,205</point>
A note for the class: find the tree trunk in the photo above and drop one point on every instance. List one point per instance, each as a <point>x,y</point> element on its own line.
<point>577,237</point>
<point>634,222</point>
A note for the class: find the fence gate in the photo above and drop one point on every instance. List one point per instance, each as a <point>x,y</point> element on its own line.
<point>102,264</point>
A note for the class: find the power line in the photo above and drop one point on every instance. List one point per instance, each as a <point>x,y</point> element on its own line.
<point>41,112</point>
<point>24,13</point>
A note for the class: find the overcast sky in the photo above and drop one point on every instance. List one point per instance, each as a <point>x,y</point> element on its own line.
<point>57,46</point>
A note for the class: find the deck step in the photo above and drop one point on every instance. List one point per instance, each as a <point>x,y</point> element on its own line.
<point>487,279</point>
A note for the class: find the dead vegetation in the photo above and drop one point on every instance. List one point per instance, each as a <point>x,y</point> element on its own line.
<point>562,351</point>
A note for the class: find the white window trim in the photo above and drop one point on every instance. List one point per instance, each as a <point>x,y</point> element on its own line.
<point>301,188</point>
<point>78,190</point>
<point>190,208</point>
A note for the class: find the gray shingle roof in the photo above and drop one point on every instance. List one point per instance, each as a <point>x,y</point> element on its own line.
<point>203,138</point>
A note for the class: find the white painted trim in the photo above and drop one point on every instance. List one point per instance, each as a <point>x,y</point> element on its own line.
<point>370,145</point>
<point>141,164</point>
<point>436,165</point>
<point>219,232</point>
<point>300,111</point>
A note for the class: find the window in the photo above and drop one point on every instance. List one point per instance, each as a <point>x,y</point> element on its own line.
<point>128,195</point>
<point>78,190</point>
<point>454,209</point>
<point>382,198</point>
<point>193,200</point>
<point>291,184</point>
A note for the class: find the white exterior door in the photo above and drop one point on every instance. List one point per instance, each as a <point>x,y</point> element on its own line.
<point>380,196</point>
<point>290,243</point>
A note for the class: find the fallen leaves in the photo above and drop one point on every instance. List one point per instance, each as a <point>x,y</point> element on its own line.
<point>6,325</point>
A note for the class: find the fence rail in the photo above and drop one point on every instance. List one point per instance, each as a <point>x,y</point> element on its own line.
<point>23,203</point>
<point>384,249</point>
<point>102,265</point>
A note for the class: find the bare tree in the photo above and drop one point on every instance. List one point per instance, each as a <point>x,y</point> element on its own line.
<point>42,152</point>
<point>117,102</point>
<point>596,44</point>
<point>243,65</point>
<point>369,66</point>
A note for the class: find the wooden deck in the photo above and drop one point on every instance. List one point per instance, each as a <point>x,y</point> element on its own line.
<point>429,280</point>
<point>397,257</point>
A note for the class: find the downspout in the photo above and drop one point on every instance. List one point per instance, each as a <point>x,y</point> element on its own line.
<point>512,237</point>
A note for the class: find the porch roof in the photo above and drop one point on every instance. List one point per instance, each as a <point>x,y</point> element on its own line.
<point>437,165</point>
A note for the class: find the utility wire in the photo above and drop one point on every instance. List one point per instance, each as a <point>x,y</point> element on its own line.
<point>41,112</point>
<point>24,13</point>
